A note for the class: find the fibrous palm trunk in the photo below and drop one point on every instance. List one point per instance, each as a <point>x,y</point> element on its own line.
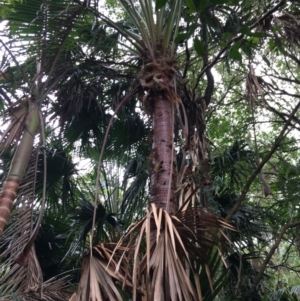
<point>159,81</point>
<point>162,184</point>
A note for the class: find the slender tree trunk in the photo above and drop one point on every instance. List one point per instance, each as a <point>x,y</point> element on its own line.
<point>18,165</point>
<point>162,157</point>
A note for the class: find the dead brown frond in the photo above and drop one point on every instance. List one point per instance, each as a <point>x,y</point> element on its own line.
<point>27,283</point>
<point>16,117</point>
<point>74,98</point>
<point>163,247</point>
<point>17,233</point>
<point>265,186</point>
<point>290,30</point>
<point>52,290</point>
<point>265,24</point>
<point>256,87</point>
<point>253,88</point>
<point>206,226</point>
<point>99,277</point>
<point>15,277</point>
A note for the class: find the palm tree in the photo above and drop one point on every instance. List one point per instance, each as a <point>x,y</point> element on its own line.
<point>91,62</point>
<point>36,77</point>
<point>167,231</point>
<point>159,82</point>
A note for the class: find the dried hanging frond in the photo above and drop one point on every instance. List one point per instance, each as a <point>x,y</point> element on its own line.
<point>265,24</point>
<point>16,116</point>
<point>98,276</point>
<point>164,269</point>
<point>265,186</point>
<point>290,28</point>
<point>52,290</point>
<point>256,86</point>
<point>23,280</point>
<point>18,231</point>
<point>253,87</point>
<point>26,282</point>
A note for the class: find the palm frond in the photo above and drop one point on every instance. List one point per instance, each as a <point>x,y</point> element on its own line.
<point>81,220</point>
<point>211,278</point>
<point>233,166</point>
<point>289,27</point>
<point>60,177</point>
<point>135,179</point>
<point>164,246</point>
<point>98,276</point>
<point>18,230</point>
<point>242,275</point>
<point>16,116</point>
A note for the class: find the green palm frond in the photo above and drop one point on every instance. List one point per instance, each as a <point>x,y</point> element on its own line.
<point>161,29</point>
<point>6,88</point>
<point>233,166</point>
<point>211,277</point>
<point>60,178</point>
<point>128,135</point>
<point>244,274</point>
<point>41,26</point>
<point>52,243</point>
<point>81,221</point>
<point>136,177</point>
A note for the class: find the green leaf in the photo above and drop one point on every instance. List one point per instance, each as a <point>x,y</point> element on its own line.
<point>160,4</point>
<point>245,30</point>
<point>238,44</point>
<point>247,48</point>
<point>235,54</point>
<point>182,37</point>
<point>277,28</point>
<point>223,44</point>
<point>191,6</point>
<point>202,5</point>
<point>193,27</point>
<point>272,43</point>
<point>254,40</point>
<point>214,23</point>
<point>219,1</point>
<point>227,36</point>
<point>199,47</point>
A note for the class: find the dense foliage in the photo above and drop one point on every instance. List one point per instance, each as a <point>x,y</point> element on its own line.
<point>150,151</point>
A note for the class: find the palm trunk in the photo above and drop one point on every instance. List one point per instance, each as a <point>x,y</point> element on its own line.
<point>162,157</point>
<point>18,165</point>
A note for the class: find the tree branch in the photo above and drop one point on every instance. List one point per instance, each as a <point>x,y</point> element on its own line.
<point>237,38</point>
<point>271,252</point>
<point>261,165</point>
